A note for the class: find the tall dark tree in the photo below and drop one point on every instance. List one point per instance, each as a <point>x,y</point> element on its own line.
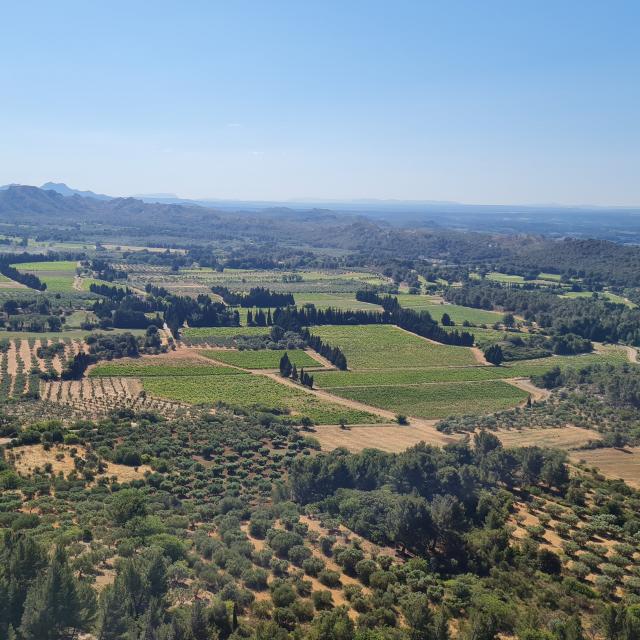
<point>57,606</point>
<point>285,366</point>
<point>494,355</point>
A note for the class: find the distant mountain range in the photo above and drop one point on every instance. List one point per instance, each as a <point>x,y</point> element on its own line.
<point>64,190</point>
<point>613,223</point>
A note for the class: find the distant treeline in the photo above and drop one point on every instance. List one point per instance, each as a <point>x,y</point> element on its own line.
<point>115,293</point>
<point>128,312</point>
<point>594,261</point>
<point>598,320</point>
<point>387,302</point>
<point>420,323</point>
<point>257,297</point>
<point>104,270</point>
<point>259,318</point>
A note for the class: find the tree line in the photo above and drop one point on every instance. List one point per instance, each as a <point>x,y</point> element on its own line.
<point>597,320</point>
<point>108,291</point>
<point>418,322</point>
<point>257,297</point>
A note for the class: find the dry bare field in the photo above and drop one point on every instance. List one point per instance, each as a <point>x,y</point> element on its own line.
<point>391,438</point>
<point>396,438</point>
<point>623,464</point>
<point>567,438</point>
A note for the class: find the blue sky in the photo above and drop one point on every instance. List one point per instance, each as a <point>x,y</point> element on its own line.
<point>489,102</point>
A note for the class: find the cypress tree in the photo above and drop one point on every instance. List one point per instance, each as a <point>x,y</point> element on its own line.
<point>493,354</point>
<point>285,366</point>
<point>294,372</point>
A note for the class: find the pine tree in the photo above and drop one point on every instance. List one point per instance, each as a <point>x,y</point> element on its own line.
<point>113,612</point>
<point>199,625</point>
<point>441,626</point>
<point>54,607</point>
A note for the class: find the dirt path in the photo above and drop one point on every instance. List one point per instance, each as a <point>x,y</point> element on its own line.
<point>525,384</point>
<point>424,428</point>
<point>25,355</point>
<point>478,354</point>
<point>12,359</point>
<point>320,359</point>
<point>77,283</point>
<point>632,353</point>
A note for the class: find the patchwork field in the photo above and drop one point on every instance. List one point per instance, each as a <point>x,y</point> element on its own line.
<point>219,336</point>
<point>302,281</point>
<point>388,347</point>
<point>335,300</point>
<point>250,390</point>
<point>58,276</point>
<point>438,400</point>
<point>150,369</point>
<point>263,359</point>
<point>612,297</point>
<point>186,378</point>
<point>457,313</point>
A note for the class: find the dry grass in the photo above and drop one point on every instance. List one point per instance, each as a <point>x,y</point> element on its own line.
<point>623,464</point>
<point>567,437</point>
<point>391,438</point>
<point>29,458</point>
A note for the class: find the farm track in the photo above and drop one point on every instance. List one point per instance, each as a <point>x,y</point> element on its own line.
<point>537,394</point>
<point>360,406</point>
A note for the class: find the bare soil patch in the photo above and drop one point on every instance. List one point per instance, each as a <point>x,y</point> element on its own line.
<point>28,458</point>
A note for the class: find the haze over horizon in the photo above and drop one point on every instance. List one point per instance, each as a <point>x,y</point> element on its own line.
<point>495,104</point>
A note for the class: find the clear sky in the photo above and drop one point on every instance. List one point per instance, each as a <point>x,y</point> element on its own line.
<point>481,101</point>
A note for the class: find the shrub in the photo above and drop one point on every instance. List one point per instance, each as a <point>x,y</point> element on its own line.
<point>329,579</point>
<point>282,594</point>
<point>299,554</point>
<point>313,566</point>
<point>549,562</point>
<point>364,569</point>
<point>322,600</point>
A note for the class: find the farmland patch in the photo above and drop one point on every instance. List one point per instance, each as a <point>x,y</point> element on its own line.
<point>388,347</point>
